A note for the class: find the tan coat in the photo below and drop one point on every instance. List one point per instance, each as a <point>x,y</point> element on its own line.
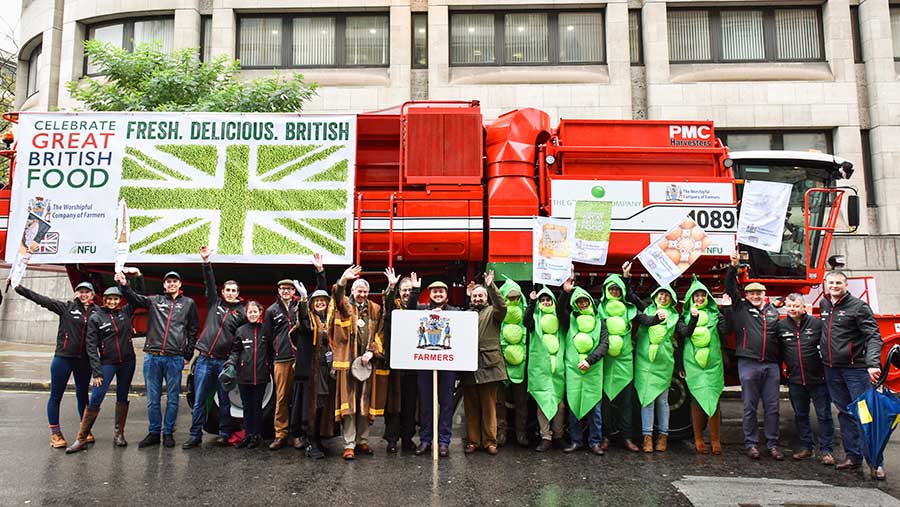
<point>491,367</point>
<point>343,332</point>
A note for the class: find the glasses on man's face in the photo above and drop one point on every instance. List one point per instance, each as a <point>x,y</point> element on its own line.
<point>285,289</point>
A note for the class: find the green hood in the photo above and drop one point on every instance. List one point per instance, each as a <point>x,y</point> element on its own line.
<point>689,297</point>
<point>508,286</point>
<point>610,280</point>
<point>542,292</point>
<point>667,289</point>
<point>577,294</point>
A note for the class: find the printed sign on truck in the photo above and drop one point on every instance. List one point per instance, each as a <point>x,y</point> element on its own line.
<point>257,188</point>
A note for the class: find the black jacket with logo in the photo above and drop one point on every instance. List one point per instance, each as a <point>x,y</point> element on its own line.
<point>755,329</point>
<point>800,349</point>
<point>850,334</point>
<point>109,338</point>
<point>222,319</point>
<point>73,322</point>
<point>251,354</point>
<point>279,324</point>
<point>172,323</point>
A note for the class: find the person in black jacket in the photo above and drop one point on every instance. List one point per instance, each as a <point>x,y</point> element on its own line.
<point>172,326</point>
<point>251,355</point>
<point>70,357</point>
<point>851,350</point>
<point>111,355</point>
<point>313,324</point>
<point>304,352</point>
<point>800,335</point>
<point>280,322</point>
<point>755,325</point>
<point>223,314</point>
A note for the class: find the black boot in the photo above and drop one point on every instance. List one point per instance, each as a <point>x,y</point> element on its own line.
<point>150,439</point>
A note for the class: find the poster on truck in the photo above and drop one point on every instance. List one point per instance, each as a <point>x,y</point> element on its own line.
<point>552,250</point>
<point>763,211</point>
<point>592,226</point>
<point>257,188</point>
<point>670,256</point>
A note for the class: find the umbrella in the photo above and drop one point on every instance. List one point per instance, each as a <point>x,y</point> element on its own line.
<point>878,413</point>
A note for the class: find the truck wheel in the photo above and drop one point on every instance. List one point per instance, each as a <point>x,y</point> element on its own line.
<point>679,409</point>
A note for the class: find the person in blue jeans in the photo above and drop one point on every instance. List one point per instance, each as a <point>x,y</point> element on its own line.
<point>111,354</point>
<point>800,335</point>
<point>69,358</point>
<point>851,349</point>
<point>223,315</point>
<point>172,326</point>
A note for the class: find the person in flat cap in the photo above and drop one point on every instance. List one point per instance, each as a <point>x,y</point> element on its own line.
<point>355,332</point>
<point>111,354</point>
<point>69,359</point>
<point>755,323</point>
<point>279,324</point>
<point>172,326</point>
<point>437,301</point>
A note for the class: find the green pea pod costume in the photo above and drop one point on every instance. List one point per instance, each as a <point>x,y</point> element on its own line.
<point>706,383</point>
<point>513,353</point>
<point>584,389</point>
<point>653,371</point>
<point>618,370</point>
<point>546,384</point>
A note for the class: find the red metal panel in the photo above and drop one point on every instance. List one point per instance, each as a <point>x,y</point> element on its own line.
<point>453,133</point>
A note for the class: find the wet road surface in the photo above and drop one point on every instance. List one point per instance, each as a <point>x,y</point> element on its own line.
<point>34,474</point>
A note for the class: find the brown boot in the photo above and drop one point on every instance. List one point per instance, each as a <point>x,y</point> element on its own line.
<point>87,422</point>
<point>697,419</point>
<point>662,443</point>
<point>715,427</point>
<point>648,443</point>
<point>121,417</point>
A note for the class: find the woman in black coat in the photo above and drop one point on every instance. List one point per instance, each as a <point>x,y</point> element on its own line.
<point>251,355</point>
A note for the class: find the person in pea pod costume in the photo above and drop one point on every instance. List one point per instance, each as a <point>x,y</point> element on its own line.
<point>514,343</point>
<point>618,367</point>
<point>546,370</point>
<point>701,329</point>
<point>654,362</point>
<point>587,342</point>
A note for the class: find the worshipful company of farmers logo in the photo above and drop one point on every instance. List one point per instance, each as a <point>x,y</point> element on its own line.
<point>434,332</point>
<point>255,188</point>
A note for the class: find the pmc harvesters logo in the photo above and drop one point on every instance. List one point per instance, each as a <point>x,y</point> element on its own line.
<point>690,135</point>
<point>434,332</point>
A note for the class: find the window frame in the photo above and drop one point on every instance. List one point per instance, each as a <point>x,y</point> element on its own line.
<point>640,37</point>
<point>412,39</point>
<point>127,33</point>
<point>205,20</point>
<point>37,52</point>
<point>552,34</point>
<point>891,8</point>
<point>778,136</point>
<point>287,39</point>
<point>770,42</point>
<point>854,33</point>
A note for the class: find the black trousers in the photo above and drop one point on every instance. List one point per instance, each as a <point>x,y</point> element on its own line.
<point>300,410</point>
<point>402,425</point>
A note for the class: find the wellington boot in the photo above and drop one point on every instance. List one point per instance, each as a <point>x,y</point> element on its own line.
<point>697,419</point>
<point>715,427</point>
<point>121,417</point>
<point>648,443</point>
<point>662,443</point>
<point>87,422</point>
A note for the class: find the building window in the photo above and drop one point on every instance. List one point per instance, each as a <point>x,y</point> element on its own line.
<point>526,38</point>
<point>895,31</point>
<point>314,41</point>
<point>35,71</point>
<point>634,37</point>
<point>868,179</point>
<point>420,41</point>
<point>205,38</point>
<point>793,140</point>
<point>854,31</point>
<point>745,35</point>
<point>129,33</point>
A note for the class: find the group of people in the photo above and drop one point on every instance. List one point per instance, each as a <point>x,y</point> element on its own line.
<point>583,358</point>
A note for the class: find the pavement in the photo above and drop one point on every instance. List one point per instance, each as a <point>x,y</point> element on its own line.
<point>35,474</point>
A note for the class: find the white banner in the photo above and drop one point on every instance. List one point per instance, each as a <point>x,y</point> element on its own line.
<point>670,256</point>
<point>257,188</point>
<point>552,250</point>
<point>763,210</point>
<point>434,340</point>
<point>626,196</point>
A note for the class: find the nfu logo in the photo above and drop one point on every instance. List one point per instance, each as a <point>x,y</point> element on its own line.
<point>84,249</point>
<point>690,135</point>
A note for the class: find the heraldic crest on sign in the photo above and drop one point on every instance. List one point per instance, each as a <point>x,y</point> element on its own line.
<point>434,332</point>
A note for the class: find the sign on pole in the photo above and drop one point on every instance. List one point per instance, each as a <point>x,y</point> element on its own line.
<point>672,254</point>
<point>592,226</point>
<point>763,211</point>
<point>434,340</point>
<point>552,250</point>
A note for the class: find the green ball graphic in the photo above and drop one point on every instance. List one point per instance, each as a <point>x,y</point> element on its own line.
<point>598,192</point>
